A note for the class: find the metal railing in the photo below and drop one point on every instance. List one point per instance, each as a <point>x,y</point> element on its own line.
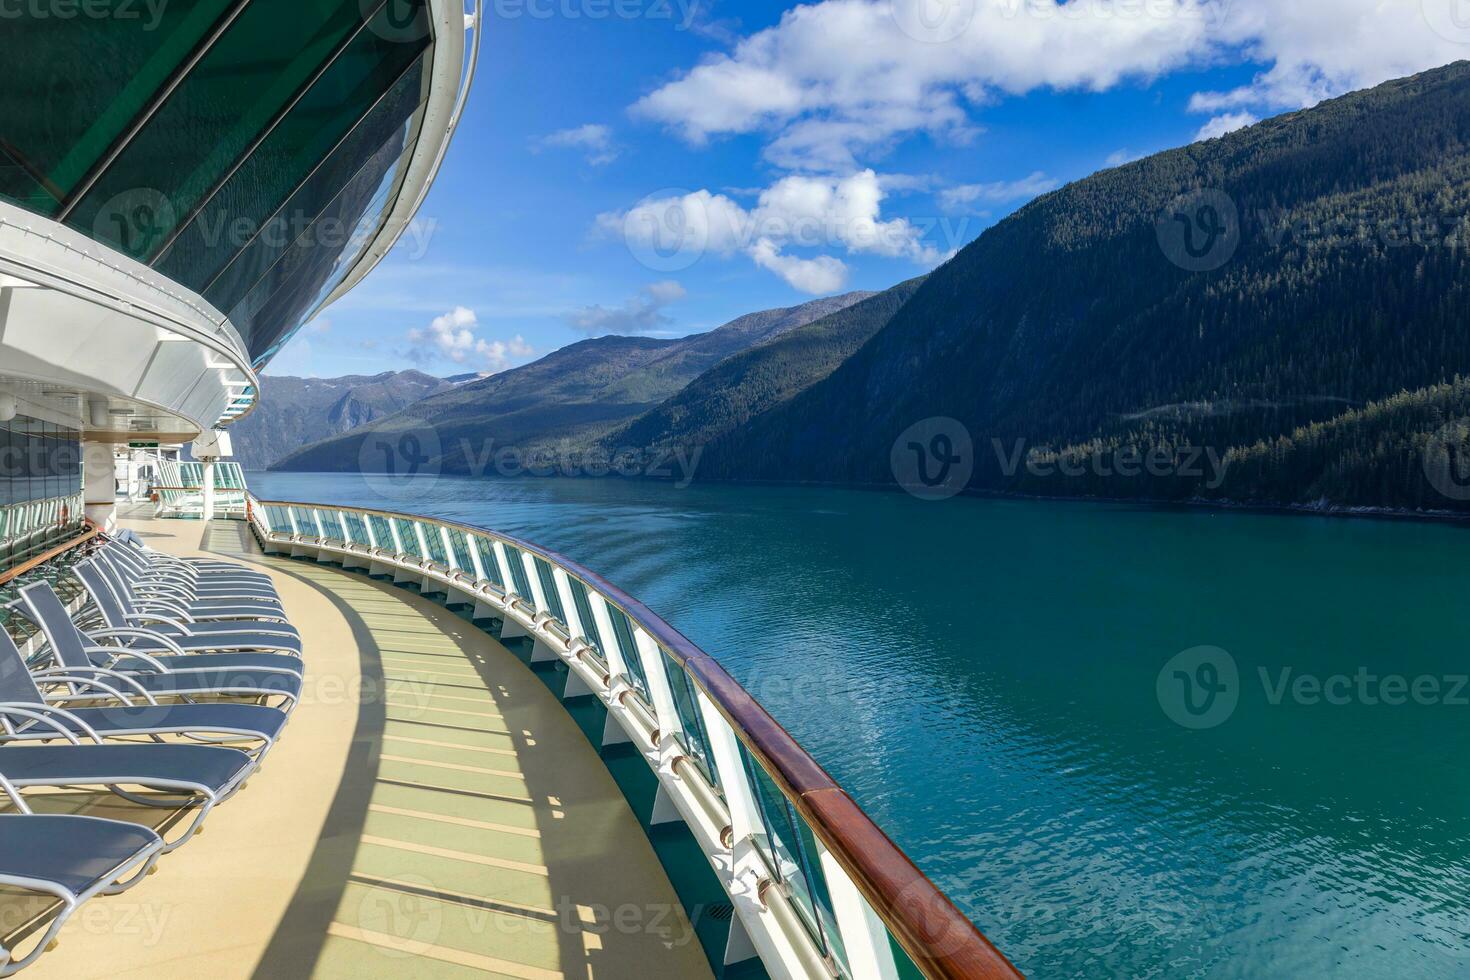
<point>32,526</point>
<point>817,887</point>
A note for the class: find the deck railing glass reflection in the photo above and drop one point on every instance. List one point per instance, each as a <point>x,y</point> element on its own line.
<point>818,888</point>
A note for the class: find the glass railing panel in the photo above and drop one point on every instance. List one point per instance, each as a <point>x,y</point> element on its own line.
<point>486,550</point>
<point>305,522</point>
<point>355,526</point>
<point>693,735</point>
<point>408,538</point>
<point>518,577</point>
<point>628,647</point>
<point>435,541</point>
<point>786,844</point>
<point>583,602</point>
<point>548,587</point>
<point>382,532</point>
<point>331,523</point>
<point>459,541</point>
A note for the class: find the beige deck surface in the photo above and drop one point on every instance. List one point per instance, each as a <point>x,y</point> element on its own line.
<point>431,812</point>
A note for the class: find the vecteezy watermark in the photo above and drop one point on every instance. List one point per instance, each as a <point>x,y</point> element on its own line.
<point>1199,231</point>
<point>1202,230</point>
<point>668,230</point>
<point>1450,19</point>
<point>676,463</point>
<point>140,222</point>
<point>394,459</point>
<point>1199,687</point>
<point>148,14</point>
<point>409,909</point>
<point>403,21</point>
<point>1203,464</point>
<point>933,21</point>
<point>1447,460</point>
<point>934,458</point>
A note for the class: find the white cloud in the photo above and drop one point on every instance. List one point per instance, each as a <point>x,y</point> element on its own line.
<point>997,192</point>
<point>823,274</point>
<point>1227,122</point>
<point>643,314</point>
<point>593,138</point>
<point>837,82</point>
<point>451,336</point>
<point>840,80</point>
<point>794,212</point>
<point>1121,156</point>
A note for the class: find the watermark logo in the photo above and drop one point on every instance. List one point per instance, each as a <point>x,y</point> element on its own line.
<point>933,459</point>
<point>1447,460</point>
<point>1199,231</point>
<point>1199,688</point>
<point>390,459</point>
<point>1450,19</point>
<point>933,21</point>
<point>405,909</point>
<point>136,221</point>
<point>668,230</point>
<point>400,21</point>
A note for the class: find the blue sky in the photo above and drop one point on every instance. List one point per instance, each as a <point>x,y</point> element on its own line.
<point>663,166</point>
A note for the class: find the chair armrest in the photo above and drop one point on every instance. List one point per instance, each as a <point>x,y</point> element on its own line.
<point>64,676</point>
<point>142,634</point>
<point>39,716</point>
<point>115,652</point>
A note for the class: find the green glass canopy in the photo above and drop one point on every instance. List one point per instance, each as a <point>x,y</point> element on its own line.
<point>247,149</point>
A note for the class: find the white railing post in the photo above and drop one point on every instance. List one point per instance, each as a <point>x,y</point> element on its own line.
<point>538,595</point>
<point>449,558</point>
<point>864,936</point>
<point>745,819</point>
<point>615,662</point>
<point>397,536</point>
<point>651,657</point>
<point>418,534</point>
<point>570,614</point>
<point>472,542</point>
<point>502,561</point>
<point>345,527</point>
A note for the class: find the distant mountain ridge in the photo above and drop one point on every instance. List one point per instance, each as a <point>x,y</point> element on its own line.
<point>295,411</point>
<point>725,398</point>
<point>574,395</point>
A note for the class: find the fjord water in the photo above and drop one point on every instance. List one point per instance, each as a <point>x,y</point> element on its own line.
<point>984,677</point>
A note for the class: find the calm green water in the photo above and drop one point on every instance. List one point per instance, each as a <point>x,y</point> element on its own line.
<point>984,677</point>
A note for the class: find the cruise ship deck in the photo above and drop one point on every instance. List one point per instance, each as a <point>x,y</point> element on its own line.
<point>432,812</point>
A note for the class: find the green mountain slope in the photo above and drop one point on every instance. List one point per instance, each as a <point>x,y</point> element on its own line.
<point>1341,278</point>
<point>742,386</point>
<point>571,396</point>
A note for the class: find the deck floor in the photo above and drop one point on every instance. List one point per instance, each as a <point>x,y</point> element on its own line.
<point>431,812</point>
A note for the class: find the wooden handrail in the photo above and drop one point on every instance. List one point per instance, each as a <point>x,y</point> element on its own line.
<point>92,531</point>
<point>941,940</point>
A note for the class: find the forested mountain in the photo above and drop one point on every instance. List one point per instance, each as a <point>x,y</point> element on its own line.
<point>295,411</point>
<point>1292,297</point>
<point>572,396</point>
<point>742,386</point>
